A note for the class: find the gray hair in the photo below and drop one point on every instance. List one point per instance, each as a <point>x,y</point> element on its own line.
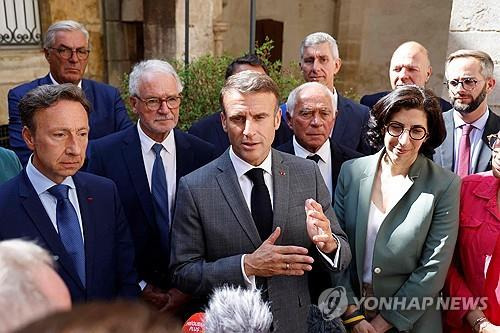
<point>248,82</point>
<point>294,95</point>
<point>319,38</point>
<point>237,310</point>
<point>483,58</point>
<point>150,66</point>
<point>45,96</point>
<point>67,25</point>
<point>21,299</point>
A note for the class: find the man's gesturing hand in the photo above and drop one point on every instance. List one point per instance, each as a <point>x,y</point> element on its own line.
<point>269,259</point>
<point>318,227</point>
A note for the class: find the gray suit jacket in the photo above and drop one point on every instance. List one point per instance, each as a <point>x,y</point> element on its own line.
<point>414,245</point>
<point>443,155</point>
<point>213,228</point>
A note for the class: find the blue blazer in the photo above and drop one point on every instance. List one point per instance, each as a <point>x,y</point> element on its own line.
<point>119,157</point>
<point>209,128</point>
<point>371,100</point>
<point>108,113</point>
<point>350,126</point>
<point>109,251</point>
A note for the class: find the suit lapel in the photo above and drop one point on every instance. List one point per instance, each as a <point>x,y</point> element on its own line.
<point>447,147</point>
<point>364,195</point>
<point>88,93</point>
<point>231,190</point>
<point>337,160</point>
<point>491,127</point>
<point>89,223</point>
<point>35,210</point>
<point>183,154</point>
<point>132,154</point>
<point>281,191</point>
<point>340,123</point>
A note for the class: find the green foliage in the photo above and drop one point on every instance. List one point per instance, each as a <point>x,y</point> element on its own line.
<point>204,78</point>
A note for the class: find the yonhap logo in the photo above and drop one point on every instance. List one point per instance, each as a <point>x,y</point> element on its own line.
<point>332,302</point>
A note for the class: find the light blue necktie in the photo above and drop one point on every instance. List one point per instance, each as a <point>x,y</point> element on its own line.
<point>69,228</point>
<point>159,191</point>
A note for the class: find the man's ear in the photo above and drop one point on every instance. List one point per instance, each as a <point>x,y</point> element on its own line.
<point>223,120</point>
<point>133,103</point>
<point>490,85</point>
<point>28,137</point>
<point>338,64</point>
<point>429,73</point>
<point>277,118</point>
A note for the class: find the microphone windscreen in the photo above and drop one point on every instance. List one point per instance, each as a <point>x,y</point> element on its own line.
<point>195,323</point>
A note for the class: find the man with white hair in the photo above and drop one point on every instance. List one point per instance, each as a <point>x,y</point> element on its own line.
<point>320,62</point>
<point>29,286</point>
<point>410,64</point>
<point>66,47</point>
<point>146,161</point>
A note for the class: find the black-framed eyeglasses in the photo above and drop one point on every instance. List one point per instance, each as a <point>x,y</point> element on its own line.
<point>493,141</point>
<point>66,53</point>
<point>154,103</point>
<point>396,129</point>
<point>467,83</point>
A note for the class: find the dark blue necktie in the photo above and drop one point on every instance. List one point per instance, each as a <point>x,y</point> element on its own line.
<point>159,191</point>
<point>69,228</point>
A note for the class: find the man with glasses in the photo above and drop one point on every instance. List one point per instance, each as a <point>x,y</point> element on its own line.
<point>146,162</point>
<point>470,80</point>
<point>66,47</point>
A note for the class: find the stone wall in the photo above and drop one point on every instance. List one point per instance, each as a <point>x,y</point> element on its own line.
<point>476,25</point>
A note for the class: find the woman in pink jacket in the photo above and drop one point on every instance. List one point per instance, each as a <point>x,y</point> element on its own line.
<point>475,271</point>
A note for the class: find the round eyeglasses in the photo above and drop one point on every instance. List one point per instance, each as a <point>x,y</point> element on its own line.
<point>468,84</point>
<point>396,129</point>
<point>154,103</point>
<point>66,53</point>
<point>493,141</point>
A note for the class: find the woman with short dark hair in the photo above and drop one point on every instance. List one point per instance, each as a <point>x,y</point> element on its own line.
<point>400,212</point>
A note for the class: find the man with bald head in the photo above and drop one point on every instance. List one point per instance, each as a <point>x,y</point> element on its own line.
<point>410,64</point>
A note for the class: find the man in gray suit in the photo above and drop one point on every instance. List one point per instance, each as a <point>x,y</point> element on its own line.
<point>256,216</point>
<point>470,80</point>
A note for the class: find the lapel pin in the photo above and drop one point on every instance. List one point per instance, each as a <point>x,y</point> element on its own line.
<point>90,199</point>
<point>282,173</point>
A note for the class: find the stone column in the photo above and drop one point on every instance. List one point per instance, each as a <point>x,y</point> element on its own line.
<point>219,29</point>
<point>475,24</point>
<point>159,29</point>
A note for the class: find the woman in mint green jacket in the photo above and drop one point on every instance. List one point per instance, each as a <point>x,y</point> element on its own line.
<point>400,212</point>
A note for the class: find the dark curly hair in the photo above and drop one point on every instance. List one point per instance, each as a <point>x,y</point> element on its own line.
<point>405,98</point>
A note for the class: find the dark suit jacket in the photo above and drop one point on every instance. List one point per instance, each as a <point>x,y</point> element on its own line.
<point>9,165</point>
<point>209,128</point>
<point>213,228</point>
<point>108,113</point>
<point>443,154</point>
<point>119,157</point>
<point>350,125</point>
<point>340,154</point>
<point>109,251</point>
<point>370,100</point>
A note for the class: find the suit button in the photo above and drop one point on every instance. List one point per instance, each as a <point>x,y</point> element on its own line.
<point>377,270</point>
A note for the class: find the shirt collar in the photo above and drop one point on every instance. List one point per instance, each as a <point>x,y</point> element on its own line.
<point>147,143</point>
<point>241,167</point>
<point>40,182</point>
<point>57,83</point>
<point>478,124</point>
<point>304,153</point>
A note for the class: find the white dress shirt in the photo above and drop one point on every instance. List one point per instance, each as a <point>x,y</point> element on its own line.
<point>168,156</point>
<point>475,135</point>
<point>41,184</point>
<point>324,164</point>
<point>54,82</point>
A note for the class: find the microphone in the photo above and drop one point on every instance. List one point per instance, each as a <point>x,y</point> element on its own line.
<point>195,323</point>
